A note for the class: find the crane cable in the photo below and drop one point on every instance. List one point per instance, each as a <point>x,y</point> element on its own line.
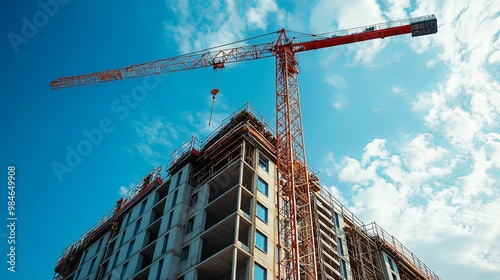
<point>227,44</point>
<point>215,90</point>
<point>220,66</point>
<point>215,83</point>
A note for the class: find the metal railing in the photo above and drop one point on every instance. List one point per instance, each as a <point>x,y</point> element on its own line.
<point>124,203</point>
<point>361,29</point>
<point>378,233</point>
<point>374,231</point>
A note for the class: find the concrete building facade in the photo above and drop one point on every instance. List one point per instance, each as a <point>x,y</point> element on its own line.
<point>214,217</point>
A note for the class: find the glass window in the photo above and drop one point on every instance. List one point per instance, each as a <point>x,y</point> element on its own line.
<point>137,226</point>
<point>179,176</point>
<point>263,187</point>
<point>341,247</point>
<point>174,200</point>
<point>194,199</point>
<point>344,269</point>
<point>158,272</point>
<point>276,253</point>
<point>336,219</point>
<point>84,256</point>
<point>130,248</point>
<point>390,263</point>
<point>189,225</point>
<point>185,253</point>
<point>124,271</point>
<point>259,273</point>
<point>78,273</point>
<point>261,241</point>
<point>263,163</point>
<point>128,219</point>
<point>165,244</point>
<point>143,207</point>
<point>394,277</point>
<point>92,265</point>
<point>262,212</point>
<point>122,238</point>
<point>116,258</point>
<point>99,245</point>
<point>170,217</point>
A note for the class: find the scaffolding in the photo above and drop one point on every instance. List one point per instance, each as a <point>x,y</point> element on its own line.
<point>363,253</point>
<point>222,147</point>
<point>231,147</point>
<point>327,247</point>
<point>365,243</point>
<point>410,267</point>
<point>69,259</point>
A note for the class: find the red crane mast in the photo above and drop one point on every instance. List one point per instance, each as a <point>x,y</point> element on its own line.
<point>296,254</point>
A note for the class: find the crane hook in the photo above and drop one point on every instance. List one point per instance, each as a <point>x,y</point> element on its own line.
<point>214,93</point>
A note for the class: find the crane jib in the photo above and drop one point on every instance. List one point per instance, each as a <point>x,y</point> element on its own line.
<point>417,26</point>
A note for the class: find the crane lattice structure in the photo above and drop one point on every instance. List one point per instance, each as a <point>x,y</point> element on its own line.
<point>296,253</point>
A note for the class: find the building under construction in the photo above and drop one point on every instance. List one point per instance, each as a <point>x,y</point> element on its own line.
<point>214,217</point>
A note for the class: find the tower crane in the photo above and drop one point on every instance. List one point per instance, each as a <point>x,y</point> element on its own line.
<point>296,245</point>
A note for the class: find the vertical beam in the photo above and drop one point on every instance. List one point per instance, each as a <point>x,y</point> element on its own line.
<point>319,249</point>
<point>234,262</point>
<point>296,254</point>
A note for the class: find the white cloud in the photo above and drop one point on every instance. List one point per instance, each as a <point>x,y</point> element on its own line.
<point>435,189</point>
<point>259,11</point>
<point>492,148</point>
<point>147,151</point>
<point>459,127</point>
<point>156,131</point>
<point>329,165</point>
<point>430,103</point>
<point>381,199</point>
<point>396,9</point>
<point>198,122</point>
<point>397,90</point>
<point>204,24</point>
<point>396,187</point>
<point>485,169</point>
<point>338,195</point>
<point>374,149</point>
<point>431,63</point>
<point>485,103</point>
<point>123,190</point>
<point>346,14</point>
<point>420,153</point>
<point>337,15</point>
<point>353,172</point>
<point>336,81</point>
<point>494,57</point>
<point>156,137</point>
<point>340,102</point>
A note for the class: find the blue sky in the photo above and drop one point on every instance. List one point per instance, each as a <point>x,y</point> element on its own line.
<point>404,130</point>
